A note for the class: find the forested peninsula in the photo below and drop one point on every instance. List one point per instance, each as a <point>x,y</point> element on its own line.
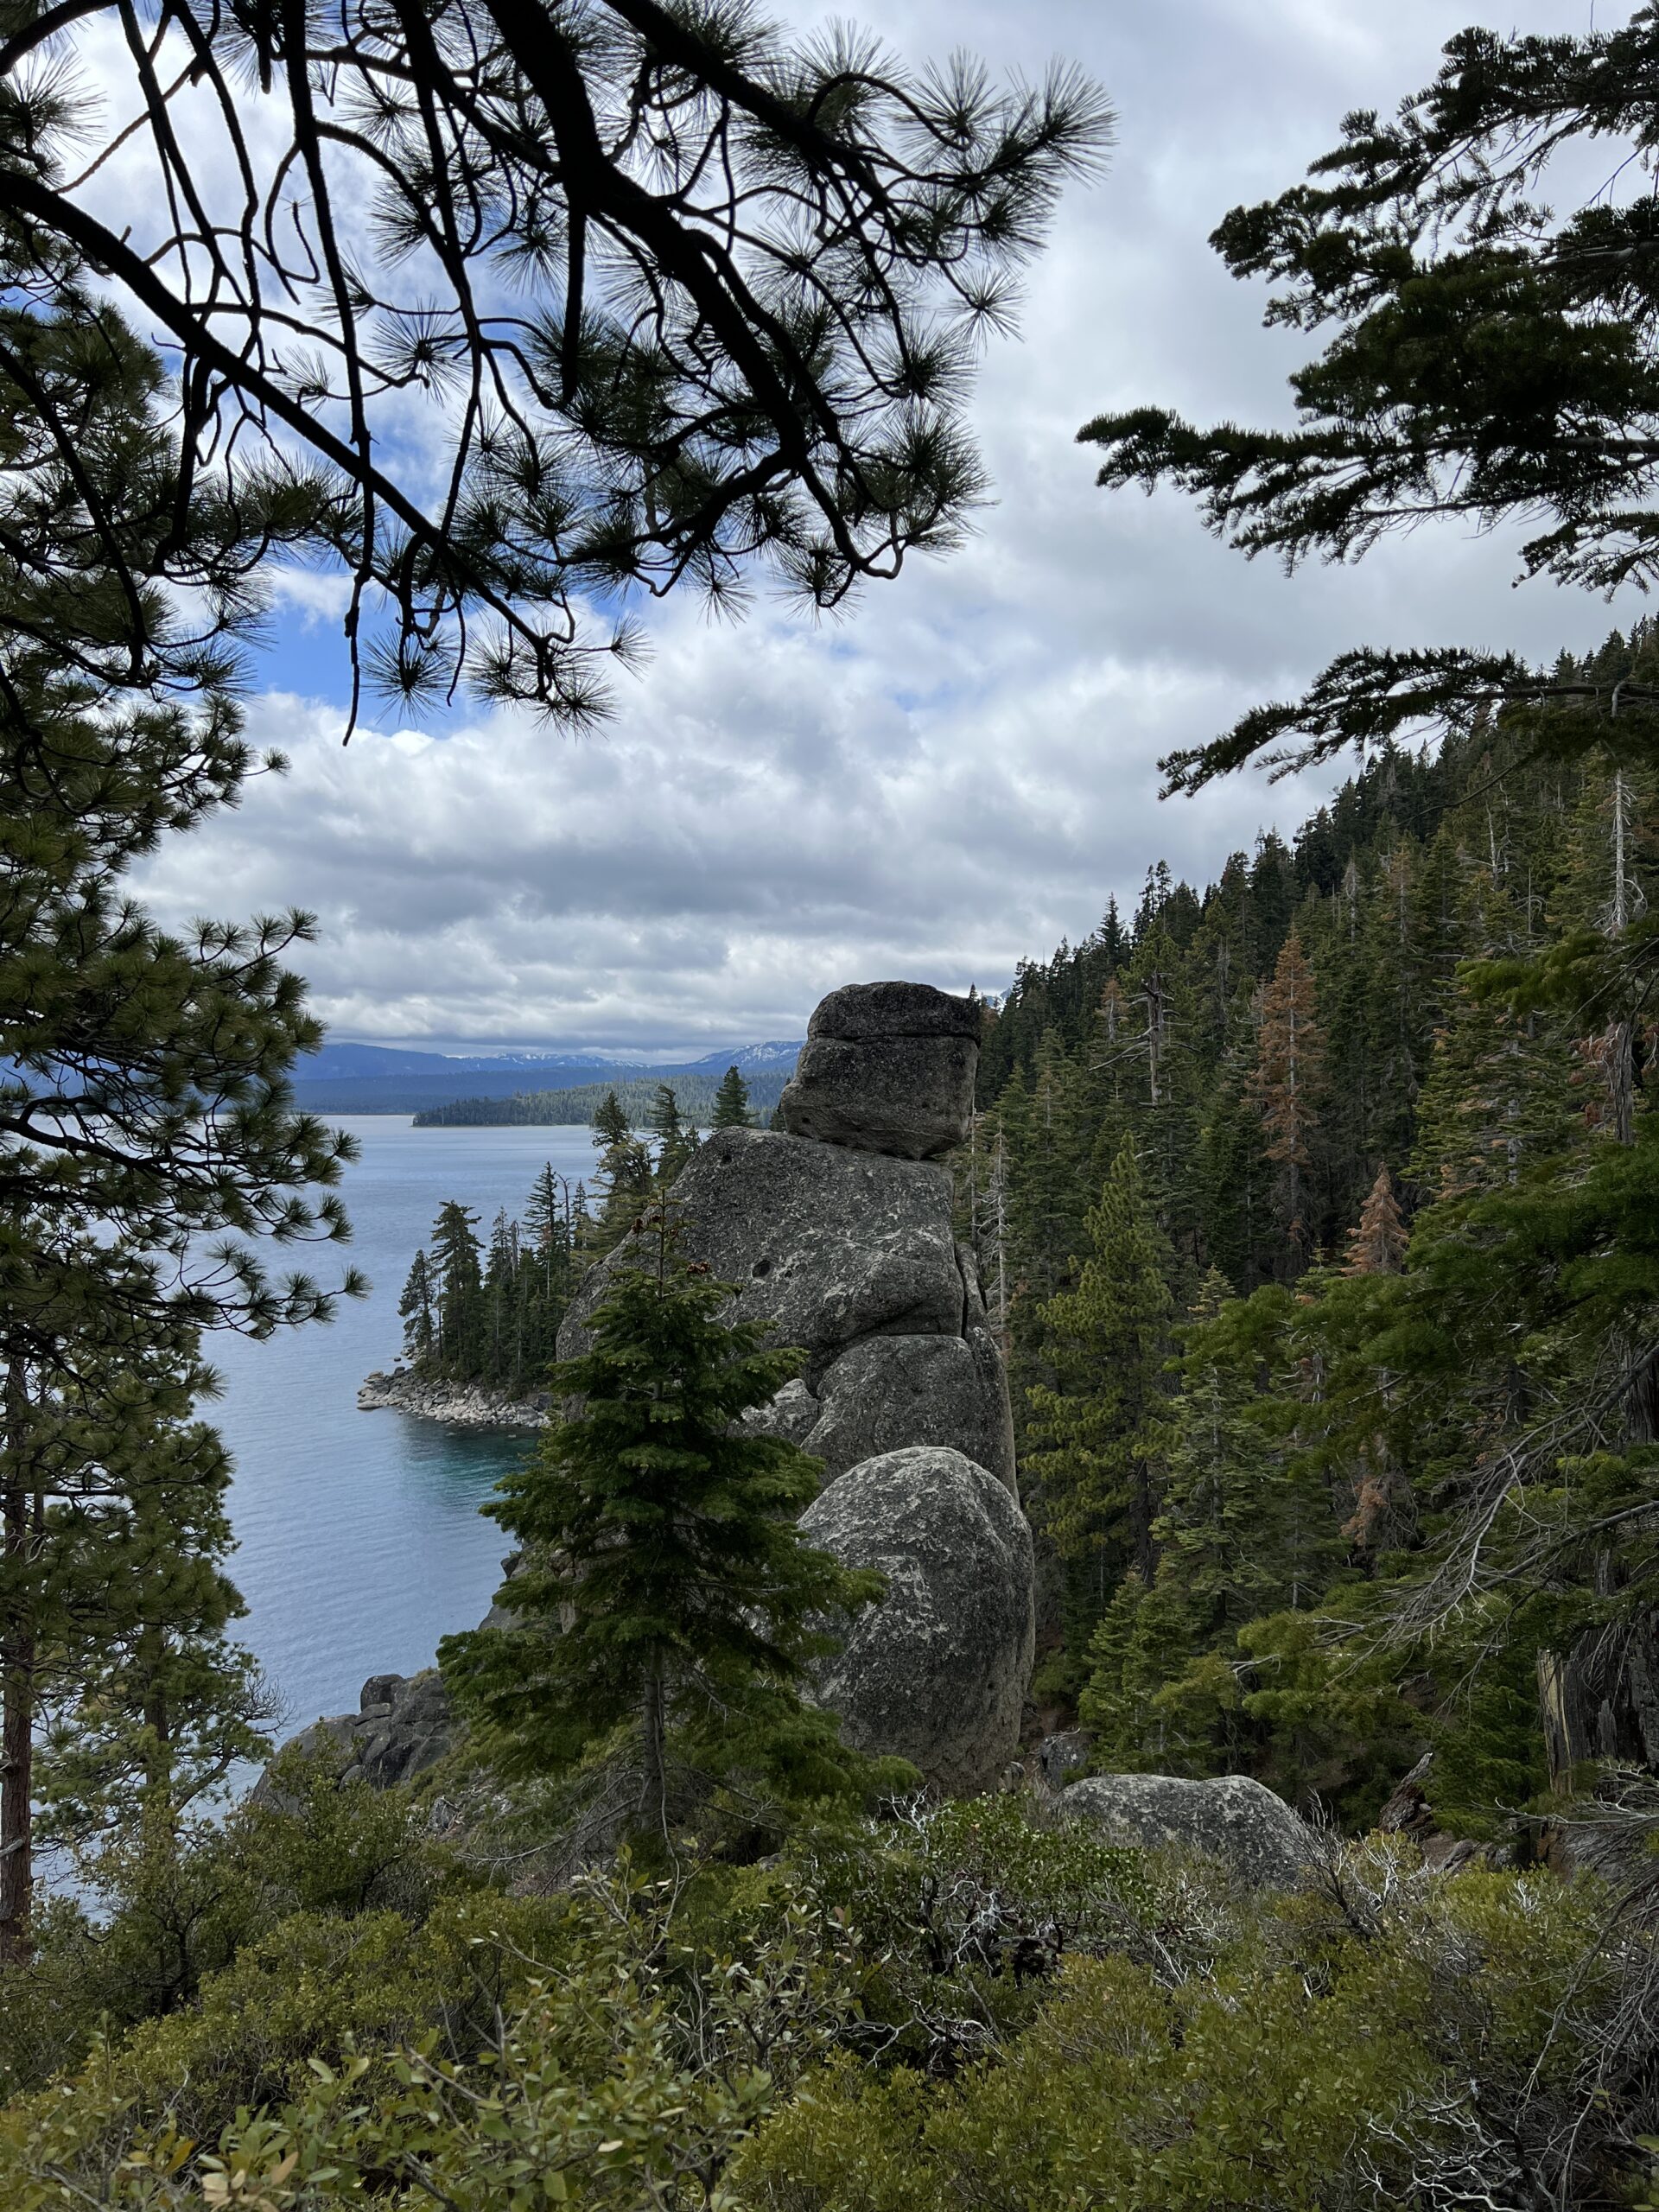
<point>580,1104</point>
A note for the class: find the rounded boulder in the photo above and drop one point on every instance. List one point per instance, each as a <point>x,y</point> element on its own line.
<point>937,1672</point>
<point>1229,1817</point>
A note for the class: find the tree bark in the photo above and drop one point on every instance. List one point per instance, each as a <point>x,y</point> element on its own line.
<point>17,1659</point>
<point>653,1791</point>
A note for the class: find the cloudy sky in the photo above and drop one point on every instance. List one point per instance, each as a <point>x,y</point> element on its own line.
<point>962,773</point>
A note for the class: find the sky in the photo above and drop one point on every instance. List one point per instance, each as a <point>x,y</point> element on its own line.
<point>959,775</point>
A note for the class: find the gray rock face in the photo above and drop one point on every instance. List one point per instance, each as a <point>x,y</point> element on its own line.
<point>890,1391</point>
<point>851,1255</point>
<point>886,1068</point>
<point>859,1013</point>
<point>403,1724</point>
<point>826,1245</point>
<point>1230,1818</point>
<point>1060,1755</point>
<point>937,1674</point>
<point>912,1097</point>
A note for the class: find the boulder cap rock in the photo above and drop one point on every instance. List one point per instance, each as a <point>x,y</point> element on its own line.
<point>1229,1817</point>
<point>862,1013</point>
<point>937,1672</point>
<point>910,1097</point>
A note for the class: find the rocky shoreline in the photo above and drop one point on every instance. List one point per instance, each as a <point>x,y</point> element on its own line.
<point>461,1405</point>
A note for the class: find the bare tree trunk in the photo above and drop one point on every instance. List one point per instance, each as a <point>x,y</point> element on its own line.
<point>653,1792</point>
<point>17,1659</point>
<point>1143,1511</point>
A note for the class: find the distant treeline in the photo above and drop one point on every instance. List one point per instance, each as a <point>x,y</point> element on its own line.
<point>581,1105</point>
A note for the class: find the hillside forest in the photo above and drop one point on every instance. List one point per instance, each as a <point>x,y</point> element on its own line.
<point>1316,1208</point>
<point>1260,1187</point>
<point>1309,1205</point>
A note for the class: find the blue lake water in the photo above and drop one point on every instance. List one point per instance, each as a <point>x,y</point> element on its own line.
<point>360,1541</point>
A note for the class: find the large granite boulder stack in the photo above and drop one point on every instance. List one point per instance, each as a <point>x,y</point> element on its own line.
<point>835,1230</point>
<point>937,1672</point>
<point>1231,1818</point>
<point>887,1067</point>
<point>850,1255</point>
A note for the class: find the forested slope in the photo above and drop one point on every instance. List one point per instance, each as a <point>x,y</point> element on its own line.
<point>1308,1489</point>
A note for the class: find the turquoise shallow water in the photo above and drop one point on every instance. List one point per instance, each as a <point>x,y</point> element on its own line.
<point>359,1538</point>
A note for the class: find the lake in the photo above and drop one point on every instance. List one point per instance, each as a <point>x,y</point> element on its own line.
<point>360,1541</point>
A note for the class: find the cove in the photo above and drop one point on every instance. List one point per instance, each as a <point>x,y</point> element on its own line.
<point>360,1541</point>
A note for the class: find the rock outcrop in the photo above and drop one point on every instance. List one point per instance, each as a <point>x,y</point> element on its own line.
<point>826,1245</point>
<point>1231,1818</point>
<point>937,1674</point>
<point>887,1068</point>
<point>835,1231</point>
<point>403,1725</point>
<point>850,1255</point>
<point>890,1391</point>
<point>463,1405</point>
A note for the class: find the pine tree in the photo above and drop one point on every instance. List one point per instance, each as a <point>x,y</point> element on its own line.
<point>1220,1473</point>
<point>666,1589</point>
<point>731,1109</point>
<point>1098,1433</point>
<point>147,1705</point>
<point>611,1124</point>
<point>147,1128</point>
<point>676,1138</point>
<point>1377,1245</point>
<point>624,1179</point>
<point>1290,1049</point>
<point>457,1286</point>
<point>414,1310</point>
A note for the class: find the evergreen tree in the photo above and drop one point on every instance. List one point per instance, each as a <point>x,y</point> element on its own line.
<point>1290,1054</point>
<point>551,1212</point>
<point>676,1138</point>
<point>665,1590</point>
<point>146,1704</point>
<point>731,1109</point>
<point>1220,1471</point>
<point>415,1308</point>
<point>147,1129</point>
<point>624,1179</point>
<point>1098,1433</point>
<point>1485,357</point>
<point>637,429</point>
<point>457,1284</point>
<point>1377,1246</point>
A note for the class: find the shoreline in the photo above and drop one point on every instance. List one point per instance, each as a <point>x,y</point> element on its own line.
<point>458,1405</point>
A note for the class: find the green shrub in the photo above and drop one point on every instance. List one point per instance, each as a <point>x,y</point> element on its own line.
<point>971,2007</point>
<point>623,2072</point>
<point>160,1922</point>
<point>1385,2040</point>
<point>963,1914</point>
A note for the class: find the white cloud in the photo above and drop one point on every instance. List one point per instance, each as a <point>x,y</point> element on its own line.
<point>961,771</point>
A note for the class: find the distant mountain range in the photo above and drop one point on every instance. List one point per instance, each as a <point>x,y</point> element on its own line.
<point>393,1079</point>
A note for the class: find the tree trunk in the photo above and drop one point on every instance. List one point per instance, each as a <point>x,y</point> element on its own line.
<point>653,1789</point>
<point>1143,1511</point>
<point>17,1658</point>
<point>161,1812</point>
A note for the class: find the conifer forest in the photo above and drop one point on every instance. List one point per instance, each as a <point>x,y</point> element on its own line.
<point>1079,1623</point>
